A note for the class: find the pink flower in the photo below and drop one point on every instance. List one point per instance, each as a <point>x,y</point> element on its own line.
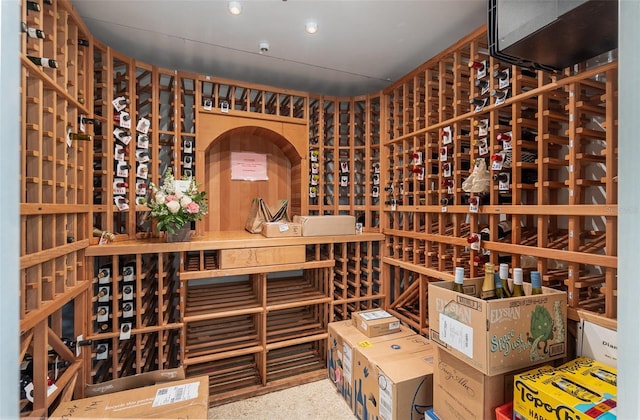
<point>170,198</point>
<point>193,208</point>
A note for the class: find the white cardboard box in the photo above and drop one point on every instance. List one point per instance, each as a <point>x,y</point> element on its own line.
<point>597,342</point>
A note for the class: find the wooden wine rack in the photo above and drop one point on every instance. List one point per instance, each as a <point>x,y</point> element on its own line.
<point>251,329</point>
<point>560,198</point>
<point>377,157</point>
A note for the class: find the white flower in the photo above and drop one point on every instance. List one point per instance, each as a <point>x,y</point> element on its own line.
<point>160,197</point>
<point>179,194</point>
<point>185,201</point>
<point>173,206</point>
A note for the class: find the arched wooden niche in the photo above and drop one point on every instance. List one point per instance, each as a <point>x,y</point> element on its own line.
<point>229,199</point>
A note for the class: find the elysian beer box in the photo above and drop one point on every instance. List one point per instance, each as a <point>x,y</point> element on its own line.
<point>344,337</point>
<point>375,322</point>
<point>500,335</point>
<point>575,390</point>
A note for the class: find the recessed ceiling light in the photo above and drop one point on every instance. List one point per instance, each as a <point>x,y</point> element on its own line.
<point>311,27</point>
<point>235,8</point>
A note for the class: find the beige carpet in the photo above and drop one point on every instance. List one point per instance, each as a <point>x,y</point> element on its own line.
<point>317,400</point>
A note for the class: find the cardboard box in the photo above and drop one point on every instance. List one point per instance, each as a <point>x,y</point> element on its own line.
<point>552,393</point>
<point>500,335</point>
<point>593,374</point>
<point>462,392</point>
<point>326,225</point>
<point>393,379</point>
<point>281,229</point>
<point>344,337</point>
<point>254,257</point>
<point>134,381</point>
<point>186,399</point>
<point>597,342</point>
<point>375,322</point>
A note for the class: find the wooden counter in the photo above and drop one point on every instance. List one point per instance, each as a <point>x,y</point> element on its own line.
<point>221,240</point>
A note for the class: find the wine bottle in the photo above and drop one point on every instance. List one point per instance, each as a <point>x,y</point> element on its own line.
<point>478,65</point>
<point>504,276</point>
<point>482,84</point>
<point>32,32</point>
<point>80,136</point>
<point>504,228</point>
<point>98,232</point>
<point>44,62</point>
<point>84,120</point>
<point>33,6</point>
<point>104,272</point>
<point>517,282</point>
<point>504,137</point>
<point>448,201</point>
<point>479,102</point>
<point>498,283</point>
<point>117,119</point>
<point>488,285</point>
<point>501,74</point>
<point>447,183</point>
<point>499,94</point>
<point>459,280</point>
<point>501,177</point>
<point>83,42</point>
<point>536,283</point>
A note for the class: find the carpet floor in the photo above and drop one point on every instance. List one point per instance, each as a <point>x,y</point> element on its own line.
<point>316,400</point>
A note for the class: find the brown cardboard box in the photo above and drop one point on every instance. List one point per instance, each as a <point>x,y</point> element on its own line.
<point>281,229</point>
<point>326,225</point>
<point>375,322</point>
<point>344,337</point>
<point>393,379</point>
<point>462,392</point>
<point>186,399</point>
<point>134,381</point>
<point>500,335</point>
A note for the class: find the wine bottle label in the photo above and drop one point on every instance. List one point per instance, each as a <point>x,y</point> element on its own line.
<point>143,125</point>
<point>32,33</point>
<point>103,294</point>
<point>142,171</point>
<point>506,145</point>
<point>187,160</point>
<point>125,119</point>
<point>102,315</point>
<point>141,188</point>
<point>120,203</point>
<point>102,351</point>
<point>503,79</point>
<point>483,147</point>
<point>125,331</point>
<point>142,156</point>
<point>123,135</point>
<point>119,103</point>
<point>447,135</point>
<point>127,293</point>
<point>142,141</point>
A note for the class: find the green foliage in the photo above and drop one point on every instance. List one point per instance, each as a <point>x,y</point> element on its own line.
<point>175,204</point>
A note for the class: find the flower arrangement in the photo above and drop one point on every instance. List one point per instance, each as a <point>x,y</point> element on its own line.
<point>176,202</point>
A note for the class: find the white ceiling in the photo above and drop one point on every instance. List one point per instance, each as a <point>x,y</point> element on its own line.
<point>361,46</point>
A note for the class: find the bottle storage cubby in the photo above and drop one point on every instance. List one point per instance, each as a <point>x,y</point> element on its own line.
<point>344,157</point>
<point>134,315</point>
